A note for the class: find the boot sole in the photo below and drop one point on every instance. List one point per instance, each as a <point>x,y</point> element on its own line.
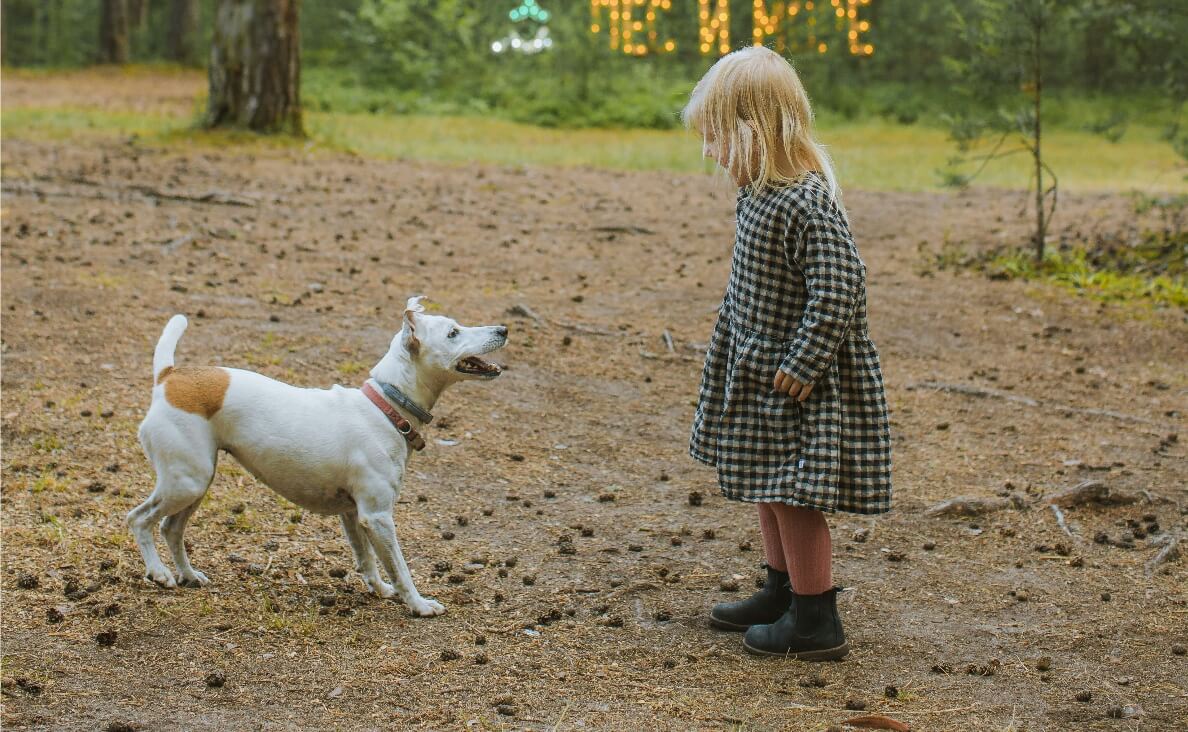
<point>826,654</point>
<point>724,625</point>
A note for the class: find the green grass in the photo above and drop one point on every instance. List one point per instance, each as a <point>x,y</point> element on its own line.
<point>871,154</point>
<point>1074,270</point>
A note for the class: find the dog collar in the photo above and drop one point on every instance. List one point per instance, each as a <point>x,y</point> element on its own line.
<point>402,425</point>
<point>403,400</point>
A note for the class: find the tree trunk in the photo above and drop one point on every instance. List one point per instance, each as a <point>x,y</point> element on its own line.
<point>183,22</point>
<point>255,66</point>
<point>1037,50</point>
<point>113,32</point>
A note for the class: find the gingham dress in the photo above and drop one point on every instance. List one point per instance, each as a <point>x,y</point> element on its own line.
<point>796,301</point>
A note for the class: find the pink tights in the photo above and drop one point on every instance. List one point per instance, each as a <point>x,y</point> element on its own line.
<point>796,540</point>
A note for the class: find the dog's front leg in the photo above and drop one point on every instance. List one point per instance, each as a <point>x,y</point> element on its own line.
<point>364,557</point>
<point>380,529</point>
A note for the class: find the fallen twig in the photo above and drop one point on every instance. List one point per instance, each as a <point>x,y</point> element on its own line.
<point>524,311</point>
<point>668,341</point>
<point>975,506</point>
<point>1090,491</point>
<point>977,391</point>
<point>220,198</point>
<point>1060,518</point>
<point>878,721</point>
<point>634,587</point>
<point>623,229</point>
<point>1169,552</point>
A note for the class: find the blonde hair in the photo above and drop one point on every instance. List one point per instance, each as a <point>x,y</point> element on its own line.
<point>752,101</point>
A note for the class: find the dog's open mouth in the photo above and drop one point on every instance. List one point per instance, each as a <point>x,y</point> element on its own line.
<point>476,366</point>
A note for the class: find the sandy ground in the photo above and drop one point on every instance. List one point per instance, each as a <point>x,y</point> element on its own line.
<point>995,622</point>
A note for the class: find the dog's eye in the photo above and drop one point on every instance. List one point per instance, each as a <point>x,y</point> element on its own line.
<point>453,333</point>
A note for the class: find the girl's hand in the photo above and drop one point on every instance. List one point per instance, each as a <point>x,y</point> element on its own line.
<point>785,384</point>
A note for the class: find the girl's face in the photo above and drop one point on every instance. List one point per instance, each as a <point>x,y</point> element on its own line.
<point>720,153</point>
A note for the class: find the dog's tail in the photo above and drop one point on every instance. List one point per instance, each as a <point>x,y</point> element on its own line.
<point>163,356</point>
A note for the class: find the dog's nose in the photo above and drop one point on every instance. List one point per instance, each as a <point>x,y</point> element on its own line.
<point>501,330</point>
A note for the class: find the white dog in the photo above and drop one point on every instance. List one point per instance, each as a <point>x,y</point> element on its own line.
<point>333,451</point>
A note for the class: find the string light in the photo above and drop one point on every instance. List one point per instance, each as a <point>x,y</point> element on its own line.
<point>631,25</point>
<point>541,41</point>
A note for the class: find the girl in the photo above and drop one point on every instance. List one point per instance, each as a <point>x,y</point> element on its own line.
<point>791,408</point>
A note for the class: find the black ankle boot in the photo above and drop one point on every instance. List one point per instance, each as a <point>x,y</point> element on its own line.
<point>811,630</point>
<point>765,606</point>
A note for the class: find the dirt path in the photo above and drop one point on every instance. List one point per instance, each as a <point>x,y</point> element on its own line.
<point>97,256</point>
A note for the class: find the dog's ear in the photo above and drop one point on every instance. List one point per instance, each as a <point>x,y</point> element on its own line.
<point>408,334</point>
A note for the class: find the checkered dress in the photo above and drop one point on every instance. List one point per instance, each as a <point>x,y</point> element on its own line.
<point>796,301</point>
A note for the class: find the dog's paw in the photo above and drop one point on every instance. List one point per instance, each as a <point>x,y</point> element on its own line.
<point>194,579</point>
<point>160,577</point>
<point>427,608</point>
<point>379,587</point>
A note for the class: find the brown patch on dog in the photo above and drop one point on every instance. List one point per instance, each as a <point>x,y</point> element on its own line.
<point>198,390</point>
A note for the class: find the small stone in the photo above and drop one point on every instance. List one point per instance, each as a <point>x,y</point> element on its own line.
<point>929,546</point>
<point>216,680</point>
<point>942,426</point>
<point>1128,711</point>
<point>1084,696</point>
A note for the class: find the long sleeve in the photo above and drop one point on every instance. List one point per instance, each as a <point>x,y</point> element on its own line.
<point>821,247</point>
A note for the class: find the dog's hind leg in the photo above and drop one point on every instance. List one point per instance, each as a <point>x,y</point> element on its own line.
<point>173,528</point>
<point>380,530</point>
<point>185,462</point>
<point>364,557</point>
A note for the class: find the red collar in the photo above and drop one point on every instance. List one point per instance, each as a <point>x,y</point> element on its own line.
<point>402,425</point>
